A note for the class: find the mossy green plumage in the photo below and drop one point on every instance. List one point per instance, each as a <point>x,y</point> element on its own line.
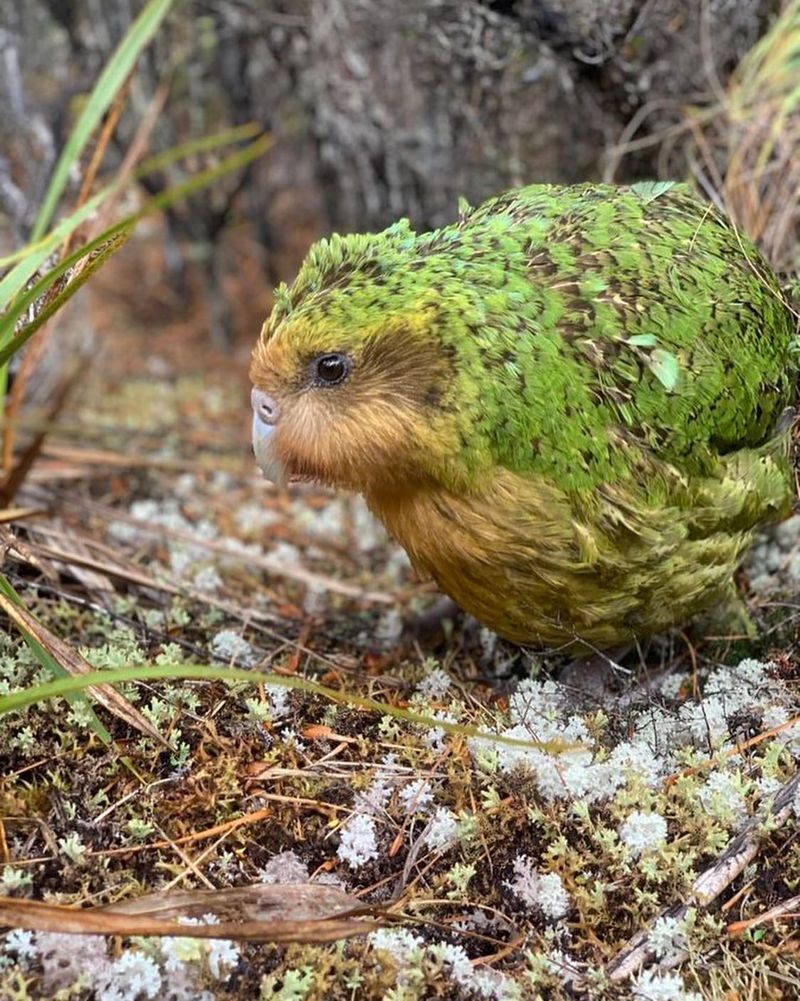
<point>600,423</point>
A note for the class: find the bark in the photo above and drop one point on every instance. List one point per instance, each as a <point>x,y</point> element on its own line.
<point>382,109</point>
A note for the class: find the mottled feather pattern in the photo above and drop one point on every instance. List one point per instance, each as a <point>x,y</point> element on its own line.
<point>566,405</point>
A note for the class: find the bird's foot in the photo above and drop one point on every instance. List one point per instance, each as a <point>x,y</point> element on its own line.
<point>596,675</point>
<point>434,625</point>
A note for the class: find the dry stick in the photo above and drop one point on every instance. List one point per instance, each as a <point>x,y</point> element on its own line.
<point>5,854</point>
<point>785,909</point>
<point>627,144</point>
<point>710,884</point>
<point>19,514</point>
<point>11,546</point>
<point>731,752</point>
<point>130,460</point>
<point>17,474</point>
<point>136,150</point>
<point>195,863</point>
<point>308,577</point>
<point>98,154</point>
<point>96,583</point>
<point>191,865</point>
<point>48,472</point>
<point>36,916</point>
<point>218,830</point>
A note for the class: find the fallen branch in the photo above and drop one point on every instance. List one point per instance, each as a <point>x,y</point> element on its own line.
<point>739,853</point>
<point>785,909</point>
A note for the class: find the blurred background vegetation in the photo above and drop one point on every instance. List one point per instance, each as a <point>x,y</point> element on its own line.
<point>376,110</point>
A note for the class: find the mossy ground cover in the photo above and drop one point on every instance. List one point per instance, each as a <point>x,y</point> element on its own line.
<point>499,871</point>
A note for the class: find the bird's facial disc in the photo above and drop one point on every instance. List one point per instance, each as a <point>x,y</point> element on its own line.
<point>265,421</point>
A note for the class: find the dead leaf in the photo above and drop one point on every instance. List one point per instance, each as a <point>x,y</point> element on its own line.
<point>292,912</point>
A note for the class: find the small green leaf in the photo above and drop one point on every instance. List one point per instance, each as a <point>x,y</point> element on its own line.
<point>202,144</point>
<point>666,368</point>
<point>649,190</point>
<point>643,340</point>
<point>593,285</point>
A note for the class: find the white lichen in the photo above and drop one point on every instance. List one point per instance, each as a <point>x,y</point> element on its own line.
<point>643,832</point>
<point>443,829</point>
<point>669,938</point>
<point>358,841</point>
<point>233,648</point>
<point>435,685</point>
<point>542,891</point>
<point>416,797</point>
<point>652,986</point>
<point>285,867</point>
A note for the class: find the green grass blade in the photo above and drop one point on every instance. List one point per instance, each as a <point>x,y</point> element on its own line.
<point>203,178</point>
<point>9,320</point>
<point>51,665</point>
<point>165,199</point>
<point>98,257</point>
<point>105,90</point>
<point>201,144</point>
<point>151,672</point>
<point>35,255</point>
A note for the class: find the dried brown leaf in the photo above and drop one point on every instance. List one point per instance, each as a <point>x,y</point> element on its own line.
<point>294,912</point>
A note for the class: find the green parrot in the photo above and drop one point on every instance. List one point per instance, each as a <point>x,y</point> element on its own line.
<point>572,406</point>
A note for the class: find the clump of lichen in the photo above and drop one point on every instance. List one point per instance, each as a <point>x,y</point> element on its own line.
<point>521,870</point>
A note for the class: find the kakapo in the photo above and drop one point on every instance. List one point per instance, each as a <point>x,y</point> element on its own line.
<point>571,406</point>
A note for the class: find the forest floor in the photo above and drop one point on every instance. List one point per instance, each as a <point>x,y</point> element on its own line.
<point>642,841</point>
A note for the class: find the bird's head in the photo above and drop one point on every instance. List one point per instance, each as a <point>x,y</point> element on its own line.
<point>354,384</point>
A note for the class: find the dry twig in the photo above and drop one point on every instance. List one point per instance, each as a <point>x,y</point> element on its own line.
<point>739,853</point>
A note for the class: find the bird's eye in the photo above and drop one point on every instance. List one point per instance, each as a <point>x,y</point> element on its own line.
<point>331,369</point>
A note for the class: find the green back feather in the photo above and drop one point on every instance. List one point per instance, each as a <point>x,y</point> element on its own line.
<point>592,328</point>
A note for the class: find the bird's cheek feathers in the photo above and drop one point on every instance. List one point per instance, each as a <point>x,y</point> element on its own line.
<point>353,445</point>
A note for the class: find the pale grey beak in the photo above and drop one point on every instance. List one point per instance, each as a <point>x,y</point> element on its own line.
<point>265,420</point>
